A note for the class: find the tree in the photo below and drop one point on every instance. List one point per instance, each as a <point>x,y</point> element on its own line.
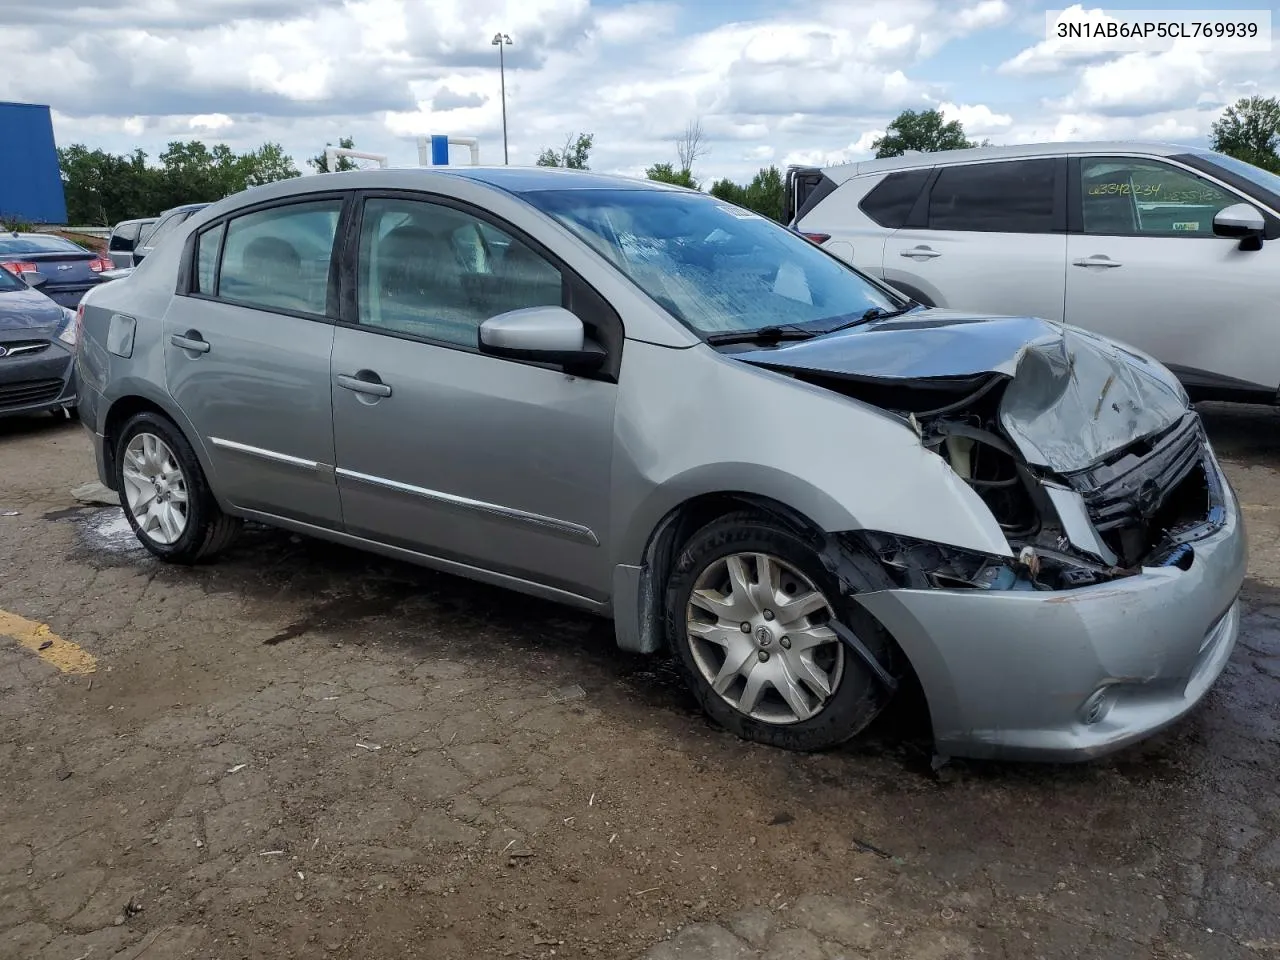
<point>320,163</point>
<point>103,188</point>
<point>666,173</point>
<point>925,131</point>
<point>1249,130</point>
<point>763,195</point>
<point>574,155</point>
<point>691,147</point>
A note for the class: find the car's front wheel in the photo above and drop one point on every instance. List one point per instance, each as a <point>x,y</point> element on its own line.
<point>165,495</point>
<point>752,614</point>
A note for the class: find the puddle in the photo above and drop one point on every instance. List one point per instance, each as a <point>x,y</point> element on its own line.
<point>109,531</point>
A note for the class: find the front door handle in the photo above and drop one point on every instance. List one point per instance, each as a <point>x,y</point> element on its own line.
<point>920,253</point>
<point>1097,260</point>
<point>366,382</point>
<point>191,340</point>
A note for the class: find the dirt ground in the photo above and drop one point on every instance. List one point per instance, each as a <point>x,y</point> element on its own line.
<point>303,751</point>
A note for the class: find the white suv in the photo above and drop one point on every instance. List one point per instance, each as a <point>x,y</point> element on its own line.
<point>1160,246</point>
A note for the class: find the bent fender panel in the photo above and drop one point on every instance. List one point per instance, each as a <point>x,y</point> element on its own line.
<point>723,427</point>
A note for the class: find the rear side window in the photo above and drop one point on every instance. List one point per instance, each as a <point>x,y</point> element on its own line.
<point>279,258</point>
<point>890,202</point>
<point>165,225</point>
<point>1016,196</point>
<point>208,245</point>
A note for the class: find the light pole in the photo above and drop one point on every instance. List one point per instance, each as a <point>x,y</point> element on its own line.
<point>501,40</point>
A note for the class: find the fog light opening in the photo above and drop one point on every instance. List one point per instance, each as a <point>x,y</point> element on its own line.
<point>1096,707</point>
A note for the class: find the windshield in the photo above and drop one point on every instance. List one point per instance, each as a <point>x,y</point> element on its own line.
<point>715,267</point>
<point>165,225</point>
<point>1263,178</point>
<point>18,245</point>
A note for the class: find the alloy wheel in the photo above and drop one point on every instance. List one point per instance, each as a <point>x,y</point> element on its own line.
<point>155,488</point>
<point>758,630</point>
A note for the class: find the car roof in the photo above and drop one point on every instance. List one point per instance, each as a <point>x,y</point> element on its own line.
<point>946,158</point>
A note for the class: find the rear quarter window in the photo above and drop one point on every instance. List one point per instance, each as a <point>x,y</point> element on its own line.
<point>889,203</point>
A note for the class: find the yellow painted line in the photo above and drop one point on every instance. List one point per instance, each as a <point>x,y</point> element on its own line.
<point>47,645</point>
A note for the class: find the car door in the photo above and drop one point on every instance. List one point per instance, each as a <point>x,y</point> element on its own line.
<point>1146,269</point>
<point>452,453</point>
<point>988,238</point>
<point>247,355</point>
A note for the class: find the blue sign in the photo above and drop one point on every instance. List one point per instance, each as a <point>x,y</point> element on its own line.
<point>439,150</point>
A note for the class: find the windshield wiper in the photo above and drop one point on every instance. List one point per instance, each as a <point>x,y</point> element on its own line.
<point>875,313</point>
<point>763,335</point>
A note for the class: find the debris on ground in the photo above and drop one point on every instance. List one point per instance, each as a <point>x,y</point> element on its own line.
<point>567,694</point>
<point>96,493</point>
<point>8,513</point>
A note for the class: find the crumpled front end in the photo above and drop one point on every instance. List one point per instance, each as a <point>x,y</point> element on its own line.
<point>1117,606</point>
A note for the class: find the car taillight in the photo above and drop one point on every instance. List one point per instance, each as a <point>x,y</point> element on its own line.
<point>99,264</point>
<point>19,267</point>
<point>818,238</point>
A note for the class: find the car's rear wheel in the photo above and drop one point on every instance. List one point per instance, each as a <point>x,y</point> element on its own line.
<point>165,494</point>
<point>751,611</point>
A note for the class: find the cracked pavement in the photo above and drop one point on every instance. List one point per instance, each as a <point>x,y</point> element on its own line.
<point>303,751</point>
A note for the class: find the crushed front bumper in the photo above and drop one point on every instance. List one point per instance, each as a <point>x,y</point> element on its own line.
<point>1073,674</point>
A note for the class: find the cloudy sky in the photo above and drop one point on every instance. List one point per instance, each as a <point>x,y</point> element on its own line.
<point>772,82</point>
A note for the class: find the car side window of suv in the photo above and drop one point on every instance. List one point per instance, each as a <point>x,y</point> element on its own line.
<point>1013,196</point>
<point>436,272</point>
<point>1126,196</point>
<point>276,259</point>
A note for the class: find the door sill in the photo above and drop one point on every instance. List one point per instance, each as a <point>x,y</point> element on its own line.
<point>465,570</point>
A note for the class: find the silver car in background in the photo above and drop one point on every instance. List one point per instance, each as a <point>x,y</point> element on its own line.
<point>664,409</point>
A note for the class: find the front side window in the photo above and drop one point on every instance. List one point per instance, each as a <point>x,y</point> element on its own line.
<point>716,268</point>
<point>1014,196</point>
<point>1123,196</point>
<point>279,258</point>
<point>437,272</point>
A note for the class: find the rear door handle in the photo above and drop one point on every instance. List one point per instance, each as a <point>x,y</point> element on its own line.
<point>368,384</point>
<point>191,340</point>
<point>919,253</point>
<point>1097,260</point>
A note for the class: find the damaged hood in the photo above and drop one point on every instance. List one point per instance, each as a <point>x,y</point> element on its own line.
<point>1072,398</point>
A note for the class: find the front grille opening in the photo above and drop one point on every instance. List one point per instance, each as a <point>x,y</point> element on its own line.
<point>1184,507</point>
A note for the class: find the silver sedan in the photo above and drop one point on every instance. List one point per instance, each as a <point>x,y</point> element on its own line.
<point>664,409</point>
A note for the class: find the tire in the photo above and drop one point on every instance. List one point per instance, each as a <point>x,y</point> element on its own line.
<point>856,696</point>
<point>150,444</point>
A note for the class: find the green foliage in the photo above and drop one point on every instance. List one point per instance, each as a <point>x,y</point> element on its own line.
<point>103,188</point>
<point>1249,130</point>
<point>925,131</point>
<point>320,163</point>
<point>764,194</point>
<point>666,173</point>
<point>574,154</point>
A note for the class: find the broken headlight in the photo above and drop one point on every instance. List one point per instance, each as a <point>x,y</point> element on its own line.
<point>922,565</point>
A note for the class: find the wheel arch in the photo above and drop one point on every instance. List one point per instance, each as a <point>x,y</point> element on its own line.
<point>140,398</point>
<point>638,588</point>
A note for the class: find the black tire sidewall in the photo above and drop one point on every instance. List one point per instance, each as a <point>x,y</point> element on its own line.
<point>860,696</point>
<point>202,509</point>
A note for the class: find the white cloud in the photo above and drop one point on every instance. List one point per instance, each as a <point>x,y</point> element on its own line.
<point>210,121</point>
<point>813,83</point>
<point>977,119</point>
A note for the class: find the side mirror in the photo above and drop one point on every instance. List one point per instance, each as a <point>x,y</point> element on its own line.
<point>540,335</point>
<point>35,279</point>
<point>1243,221</point>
